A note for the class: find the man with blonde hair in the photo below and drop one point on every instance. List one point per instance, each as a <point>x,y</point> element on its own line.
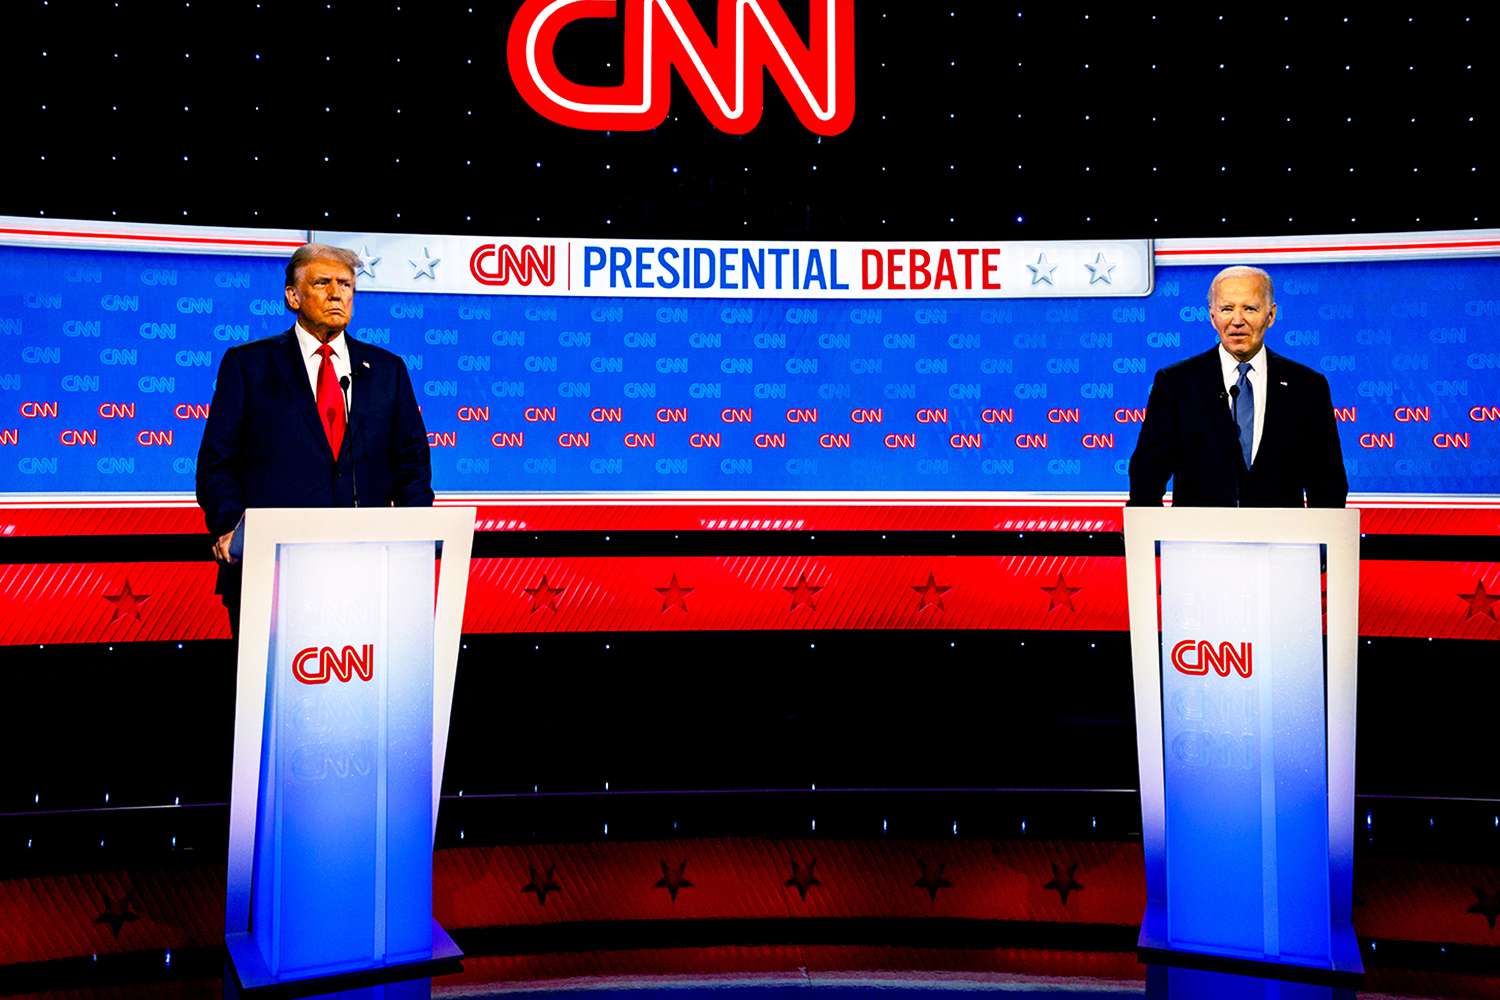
<point>310,417</point>
<point>1239,425</point>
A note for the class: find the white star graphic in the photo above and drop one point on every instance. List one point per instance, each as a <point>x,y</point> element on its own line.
<point>1099,270</point>
<point>366,262</point>
<point>1041,271</point>
<point>428,268</point>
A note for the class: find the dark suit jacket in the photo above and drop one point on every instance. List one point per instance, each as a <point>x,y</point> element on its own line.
<point>1189,436</point>
<point>264,447</point>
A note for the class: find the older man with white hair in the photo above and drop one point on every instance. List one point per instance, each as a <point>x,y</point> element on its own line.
<point>1239,425</point>
<point>310,417</point>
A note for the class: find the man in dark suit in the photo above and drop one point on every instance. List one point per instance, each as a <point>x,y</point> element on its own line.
<point>1239,425</point>
<point>309,418</point>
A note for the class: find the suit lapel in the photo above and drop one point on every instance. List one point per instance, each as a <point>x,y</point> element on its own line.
<point>356,369</point>
<point>357,393</point>
<point>1217,413</point>
<point>293,371</point>
<point>1278,408</point>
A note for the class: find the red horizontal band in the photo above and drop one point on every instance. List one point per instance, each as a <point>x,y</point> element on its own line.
<point>699,515</point>
<point>124,602</point>
<point>1093,883</point>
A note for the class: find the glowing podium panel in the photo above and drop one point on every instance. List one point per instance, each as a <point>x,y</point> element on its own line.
<point>1245,707</point>
<point>345,685</point>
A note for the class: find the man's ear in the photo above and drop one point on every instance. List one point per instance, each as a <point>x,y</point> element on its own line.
<point>1271,316</point>
<point>293,300</point>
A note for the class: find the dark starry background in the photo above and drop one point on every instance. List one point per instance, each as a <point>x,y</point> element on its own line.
<point>975,120</point>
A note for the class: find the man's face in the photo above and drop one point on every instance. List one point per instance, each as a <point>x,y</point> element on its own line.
<point>1241,315</point>
<point>323,297</point>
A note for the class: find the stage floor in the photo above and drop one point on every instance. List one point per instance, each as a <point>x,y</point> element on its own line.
<point>771,972</point>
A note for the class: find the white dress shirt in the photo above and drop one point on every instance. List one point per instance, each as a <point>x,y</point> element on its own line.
<point>1257,378</point>
<point>339,358</point>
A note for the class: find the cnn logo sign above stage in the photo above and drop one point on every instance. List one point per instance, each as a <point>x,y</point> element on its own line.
<point>320,664</point>
<point>726,79</point>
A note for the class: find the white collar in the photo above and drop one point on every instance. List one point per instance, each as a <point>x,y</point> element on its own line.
<point>310,344</point>
<point>1231,364</point>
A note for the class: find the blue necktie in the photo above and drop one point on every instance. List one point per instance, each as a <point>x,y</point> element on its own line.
<point>1244,412</point>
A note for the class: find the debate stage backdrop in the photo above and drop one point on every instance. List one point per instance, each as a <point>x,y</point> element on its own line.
<point>108,358</point>
<point>683,436</point>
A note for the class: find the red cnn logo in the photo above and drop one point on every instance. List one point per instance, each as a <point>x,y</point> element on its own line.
<point>1196,656</point>
<point>327,664</point>
<point>499,265</point>
<point>726,80</point>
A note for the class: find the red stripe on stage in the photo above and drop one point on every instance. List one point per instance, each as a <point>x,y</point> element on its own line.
<point>139,602</point>
<point>738,877</point>
<point>1438,600</point>
<point>109,602</point>
<point>148,518</point>
<point>718,593</point>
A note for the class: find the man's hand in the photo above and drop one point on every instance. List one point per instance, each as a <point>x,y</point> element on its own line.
<point>221,548</point>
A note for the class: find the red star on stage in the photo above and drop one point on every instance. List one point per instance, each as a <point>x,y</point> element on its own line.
<point>1481,602</point>
<point>802,880</point>
<point>543,596</point>
<point>802,593</point>
<point>933,882</point>
<point>1061,594</point>
<point>673,881</point>
<point>1063,884</point>
<point>931,594</point>
<point>127,603</point>
<point>541,884</point>
<point>674,595</point>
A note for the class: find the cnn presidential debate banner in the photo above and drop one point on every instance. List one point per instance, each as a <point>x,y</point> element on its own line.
<point>600,366</point>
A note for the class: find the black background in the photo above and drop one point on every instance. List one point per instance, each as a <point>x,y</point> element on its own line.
<point>970,115</point>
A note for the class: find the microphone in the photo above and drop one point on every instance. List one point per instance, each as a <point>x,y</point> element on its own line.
<point>1234,395</point>
<point>349,434</point>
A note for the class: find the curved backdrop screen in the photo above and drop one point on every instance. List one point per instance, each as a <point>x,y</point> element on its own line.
<point>108,358</point>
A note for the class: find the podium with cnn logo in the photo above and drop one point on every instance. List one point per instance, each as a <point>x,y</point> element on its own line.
<point>345,684</point>
<point>1245,702</point>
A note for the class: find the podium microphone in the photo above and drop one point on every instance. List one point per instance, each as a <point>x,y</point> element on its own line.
<point>1234,395</point>
<point>348,433</point>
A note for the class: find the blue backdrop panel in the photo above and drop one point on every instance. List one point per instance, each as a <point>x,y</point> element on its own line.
<point>107,362</point>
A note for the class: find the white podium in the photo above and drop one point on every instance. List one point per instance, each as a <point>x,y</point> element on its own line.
<point>1244,705</point>
<point>349,638</point>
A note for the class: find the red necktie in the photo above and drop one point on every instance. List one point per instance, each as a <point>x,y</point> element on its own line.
<point>330,401</point>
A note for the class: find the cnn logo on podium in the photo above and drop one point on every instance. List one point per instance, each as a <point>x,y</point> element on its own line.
<point>320,664</point>
<point>1197,656</point>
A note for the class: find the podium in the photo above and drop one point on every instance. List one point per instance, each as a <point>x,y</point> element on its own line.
<point>344,689</point>
<point>1244,706</point>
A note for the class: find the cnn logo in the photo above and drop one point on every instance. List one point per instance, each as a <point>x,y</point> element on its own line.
<point>320,664</point>
<point>1197,656</point>
<point>725,75</point>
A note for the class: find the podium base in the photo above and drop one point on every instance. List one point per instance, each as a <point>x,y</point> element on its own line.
<point>1345,967</point>
<point>251,977</point>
